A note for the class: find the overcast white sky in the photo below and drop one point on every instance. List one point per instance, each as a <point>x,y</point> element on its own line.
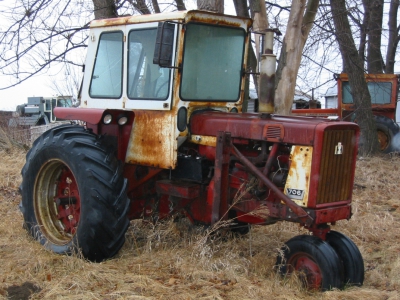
<point>36,86</point>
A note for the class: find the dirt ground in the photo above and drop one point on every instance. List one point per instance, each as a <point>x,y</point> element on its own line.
<point>174,260</point>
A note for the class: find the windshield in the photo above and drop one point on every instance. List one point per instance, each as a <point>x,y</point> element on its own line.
<point>380,92</point>
<point>212,63</point>
<point>64,102</point>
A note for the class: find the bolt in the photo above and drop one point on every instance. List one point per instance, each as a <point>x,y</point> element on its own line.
<point>70,217</point>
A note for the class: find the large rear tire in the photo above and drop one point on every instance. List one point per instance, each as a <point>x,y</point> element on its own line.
<point>314,260</point>
<point>74,195</point>
<point>353,264</point>
<point>386,130</point>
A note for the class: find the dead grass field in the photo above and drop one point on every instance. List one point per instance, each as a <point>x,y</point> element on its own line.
<point>177,261</point>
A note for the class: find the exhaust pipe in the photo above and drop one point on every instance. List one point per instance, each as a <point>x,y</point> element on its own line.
<point>266,82</point>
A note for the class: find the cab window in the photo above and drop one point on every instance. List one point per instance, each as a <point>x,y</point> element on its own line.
<point>106,81</point>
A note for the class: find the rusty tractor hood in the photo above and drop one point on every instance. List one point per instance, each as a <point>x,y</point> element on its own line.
<point>265,127</point>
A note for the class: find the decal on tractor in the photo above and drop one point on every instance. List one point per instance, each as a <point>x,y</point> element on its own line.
<point>295,193</point>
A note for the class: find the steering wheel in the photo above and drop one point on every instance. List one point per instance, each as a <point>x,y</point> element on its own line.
<point>161,87</point>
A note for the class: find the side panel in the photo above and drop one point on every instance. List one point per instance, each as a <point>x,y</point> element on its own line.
<point>298,181</point>
<point>152,141</point>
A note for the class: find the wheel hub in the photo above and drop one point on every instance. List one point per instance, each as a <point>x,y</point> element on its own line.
<point>57,202</point>
<point>308,270</point>
<point>383,140</point>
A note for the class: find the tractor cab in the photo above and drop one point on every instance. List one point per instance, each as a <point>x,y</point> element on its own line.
<point>155,71</point>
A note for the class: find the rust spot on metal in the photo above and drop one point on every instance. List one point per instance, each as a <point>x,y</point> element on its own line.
<point>186,16</point>
<point>152,141</point>
<point>298,180</point>
<point>204,140</point>
<point>266,93</point>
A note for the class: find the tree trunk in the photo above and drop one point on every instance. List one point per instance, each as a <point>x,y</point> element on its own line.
<point>156,7</point>
<point>242,10</point>
<point>394,37</point>
<point>266,80</point>
<point>211,5</point>
<point>140,6</point>
<point>301,19</point>
<point>363,33</point>
<point>180,5</point>
<point>104,9</point>
<point>260,21</point>
<point>374,56</point>
<point>358,85</point>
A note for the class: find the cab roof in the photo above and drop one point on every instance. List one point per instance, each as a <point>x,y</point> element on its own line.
<point>177,16</point>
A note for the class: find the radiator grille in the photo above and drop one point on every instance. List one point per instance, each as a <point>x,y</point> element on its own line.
<point>336,170</point>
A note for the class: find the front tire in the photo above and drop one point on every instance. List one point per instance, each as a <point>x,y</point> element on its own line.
<point>353,264</point>
<point>74,195</point>
<point>314,260</point>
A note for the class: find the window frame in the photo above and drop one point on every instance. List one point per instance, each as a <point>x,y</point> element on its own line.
<point>122,66</point>
<point>241,64</point>
<point>137,73</point>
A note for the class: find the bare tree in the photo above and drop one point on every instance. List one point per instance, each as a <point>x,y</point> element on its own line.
<point>141,6</point>
<point>180,5</point>
<point>242,10</point>
<point>394,36</point>
<point>104,9</point>
<point>366,20</point>
<point>300,23</point>
<point>211,5</point>
<point>358,85</point>
<point>374,12</point>
<point>32,42</point>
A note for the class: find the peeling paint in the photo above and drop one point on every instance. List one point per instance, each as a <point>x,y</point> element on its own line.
<point>298,180</point>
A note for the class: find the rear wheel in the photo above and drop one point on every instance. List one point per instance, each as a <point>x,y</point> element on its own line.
<point>386,130</point>
<point>74,195</point>
<point>314,260</point>
<point>353,264</point>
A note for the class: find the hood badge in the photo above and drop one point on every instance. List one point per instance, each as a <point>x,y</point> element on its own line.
<point>339,149</point>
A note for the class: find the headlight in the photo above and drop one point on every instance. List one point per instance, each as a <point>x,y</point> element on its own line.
<point>122,120</point>
<point>107,119</point>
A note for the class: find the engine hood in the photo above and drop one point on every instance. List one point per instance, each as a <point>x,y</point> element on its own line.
<point>264,127</point>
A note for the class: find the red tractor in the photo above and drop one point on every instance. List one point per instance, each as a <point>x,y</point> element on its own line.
<point>164,136</point>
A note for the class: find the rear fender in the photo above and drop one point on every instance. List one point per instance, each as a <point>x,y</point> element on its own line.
<point>94,120</point>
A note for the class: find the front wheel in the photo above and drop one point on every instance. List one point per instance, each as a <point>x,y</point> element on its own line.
<point>314,260</point>
<point>353,264</point>
<point>74,195</point>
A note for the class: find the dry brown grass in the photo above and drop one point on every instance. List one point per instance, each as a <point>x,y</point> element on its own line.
<point>177,261</point>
